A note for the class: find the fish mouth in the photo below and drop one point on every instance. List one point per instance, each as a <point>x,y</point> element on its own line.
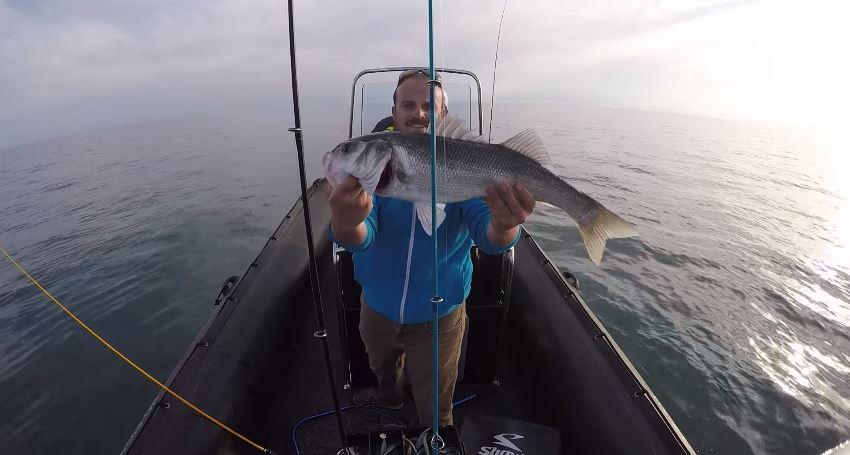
<point>386,177</point>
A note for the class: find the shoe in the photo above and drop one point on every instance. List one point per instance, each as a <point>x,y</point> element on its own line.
<point>369,397</point>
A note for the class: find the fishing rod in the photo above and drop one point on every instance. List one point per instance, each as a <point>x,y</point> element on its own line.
<point>436,441</point>
<point>322,332</point>
<point>313,274</point>
<point>127,360</point>
<point>495,61</point>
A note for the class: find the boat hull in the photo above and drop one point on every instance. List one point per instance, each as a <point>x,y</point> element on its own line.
<point>257,366</point>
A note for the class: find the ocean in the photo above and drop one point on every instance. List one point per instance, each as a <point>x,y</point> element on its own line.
<point>733,303</point>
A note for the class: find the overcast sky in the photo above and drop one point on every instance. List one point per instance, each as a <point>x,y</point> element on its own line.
<point>68,66</point>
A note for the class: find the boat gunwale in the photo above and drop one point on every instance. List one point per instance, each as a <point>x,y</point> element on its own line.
<point>616,352</point>
<point>227,306</point>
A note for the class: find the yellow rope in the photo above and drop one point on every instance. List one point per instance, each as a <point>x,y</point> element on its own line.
<point>130,362</point>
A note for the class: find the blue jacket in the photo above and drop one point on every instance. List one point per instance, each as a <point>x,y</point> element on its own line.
<point>394,263</point>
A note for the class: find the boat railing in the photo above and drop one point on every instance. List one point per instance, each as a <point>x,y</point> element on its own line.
<point>400,69</point>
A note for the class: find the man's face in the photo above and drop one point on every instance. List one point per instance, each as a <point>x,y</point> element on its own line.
<point>410,113</point>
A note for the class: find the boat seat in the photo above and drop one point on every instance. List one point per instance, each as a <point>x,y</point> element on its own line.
<point>486,307</point>
<point>383,124</point>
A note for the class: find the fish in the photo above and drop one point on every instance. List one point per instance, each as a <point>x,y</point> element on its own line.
<point>398,165</point>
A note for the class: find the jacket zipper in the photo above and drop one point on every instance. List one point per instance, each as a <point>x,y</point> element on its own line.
<point>407,271</point>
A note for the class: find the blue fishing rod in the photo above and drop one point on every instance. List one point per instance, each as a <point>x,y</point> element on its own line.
<point>436,441</point>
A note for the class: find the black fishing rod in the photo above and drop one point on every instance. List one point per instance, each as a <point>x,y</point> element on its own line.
<point>495,62</point>
<point>321,333</point>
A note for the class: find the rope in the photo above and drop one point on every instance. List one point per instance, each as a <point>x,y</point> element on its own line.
<point>130,362</point>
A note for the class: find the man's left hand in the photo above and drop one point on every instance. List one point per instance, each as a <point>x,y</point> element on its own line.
<point>510,205</point>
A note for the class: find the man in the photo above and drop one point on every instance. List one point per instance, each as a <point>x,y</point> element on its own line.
<point>410,114</point>
<point>393,262</point>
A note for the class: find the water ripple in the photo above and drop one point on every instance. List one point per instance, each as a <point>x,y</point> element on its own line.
<point>738,285</point>
<point>732,302</point>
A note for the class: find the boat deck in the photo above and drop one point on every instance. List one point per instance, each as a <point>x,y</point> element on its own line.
<point>258,367</point>
<point>304,393</point>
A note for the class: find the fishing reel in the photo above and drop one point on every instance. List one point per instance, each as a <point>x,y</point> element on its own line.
<point>406,442</point>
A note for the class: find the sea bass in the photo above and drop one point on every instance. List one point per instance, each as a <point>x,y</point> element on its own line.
<point>398,165</point>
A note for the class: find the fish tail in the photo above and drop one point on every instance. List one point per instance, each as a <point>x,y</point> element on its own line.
<point>599,225</point>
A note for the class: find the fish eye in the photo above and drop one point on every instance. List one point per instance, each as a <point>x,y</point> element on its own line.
<point>349,147</point>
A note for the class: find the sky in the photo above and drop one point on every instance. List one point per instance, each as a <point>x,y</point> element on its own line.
<point>78,65</point>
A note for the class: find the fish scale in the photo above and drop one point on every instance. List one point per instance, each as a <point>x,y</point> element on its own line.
<point>398,165</point>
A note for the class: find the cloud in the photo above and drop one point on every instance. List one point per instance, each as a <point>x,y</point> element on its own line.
<point>85,59</point>
<point>83,64</point>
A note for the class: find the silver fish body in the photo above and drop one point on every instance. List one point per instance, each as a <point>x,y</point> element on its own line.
<point>465,169</point>
<point>398,165</point>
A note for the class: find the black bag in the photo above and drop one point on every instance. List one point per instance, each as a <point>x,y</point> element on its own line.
<point>485,435</point>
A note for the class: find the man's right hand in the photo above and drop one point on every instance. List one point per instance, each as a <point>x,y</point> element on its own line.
<point>350,205</point>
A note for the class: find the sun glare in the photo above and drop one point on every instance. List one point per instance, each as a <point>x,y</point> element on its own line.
<point>778,62</point>
<point>807,75</point>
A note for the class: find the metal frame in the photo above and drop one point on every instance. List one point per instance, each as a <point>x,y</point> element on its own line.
<point>405,68</point>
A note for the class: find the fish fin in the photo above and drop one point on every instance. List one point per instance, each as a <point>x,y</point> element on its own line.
<point>455,128</point>
<point>529,144</point>
<point>599,226</point>
<point>473,136</point>
<point>423,212</point>
<point>450,127</point>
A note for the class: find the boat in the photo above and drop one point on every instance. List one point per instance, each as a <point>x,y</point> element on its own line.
<point>534,351</point>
